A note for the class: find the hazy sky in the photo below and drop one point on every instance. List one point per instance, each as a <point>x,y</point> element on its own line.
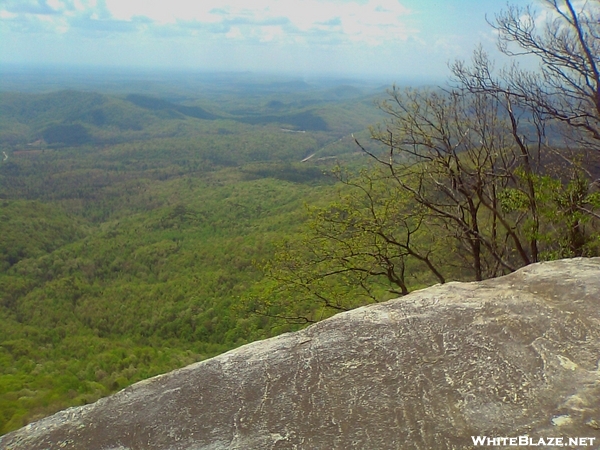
<point>406,38</point>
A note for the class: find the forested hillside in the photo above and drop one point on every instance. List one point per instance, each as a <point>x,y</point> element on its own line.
<point>145,226</point>
<point>131,221</point>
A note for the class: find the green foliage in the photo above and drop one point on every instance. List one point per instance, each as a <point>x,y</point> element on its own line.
<point>162,278</point>
<point>31,229</point>
<point>369,245</point>
<point>571,230</point>
<point>567,227</point>
<point>124,254</point>
<point>512,199</point>
<point>293,172</point>
<point>139,245</point>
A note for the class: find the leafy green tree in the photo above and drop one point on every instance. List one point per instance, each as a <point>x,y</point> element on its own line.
<point>369,245</point>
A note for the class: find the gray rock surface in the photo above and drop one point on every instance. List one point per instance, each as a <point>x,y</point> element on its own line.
<point>508,357</point>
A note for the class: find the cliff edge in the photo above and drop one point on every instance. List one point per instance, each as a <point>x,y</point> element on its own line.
<point>507,357</point>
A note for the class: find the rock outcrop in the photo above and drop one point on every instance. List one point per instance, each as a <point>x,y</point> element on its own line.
<point>508,357</point>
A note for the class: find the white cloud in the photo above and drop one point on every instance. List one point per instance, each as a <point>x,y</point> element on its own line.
<point>6,15</point>
<point>234,33</point>
<point>311,35</point>
<point>57,5</point>
<point>315,22</point>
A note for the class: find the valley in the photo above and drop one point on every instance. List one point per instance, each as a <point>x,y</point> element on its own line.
<point>133,216</point>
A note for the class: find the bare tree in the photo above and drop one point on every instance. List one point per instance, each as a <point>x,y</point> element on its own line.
<point>461,187</point>
<point>565,39</point>
<point>456,154</point>
<point>554,111</point>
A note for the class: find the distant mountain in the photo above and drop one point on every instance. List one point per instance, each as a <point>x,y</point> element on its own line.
<point>305,120</point>
<point>344,92</point>
<point>69,135</point>
<point>66,117</point>
<point>156,104</point>
<point>72,118</point>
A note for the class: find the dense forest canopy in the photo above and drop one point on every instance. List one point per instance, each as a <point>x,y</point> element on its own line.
<point>146,226</point>
<point>131,221</point>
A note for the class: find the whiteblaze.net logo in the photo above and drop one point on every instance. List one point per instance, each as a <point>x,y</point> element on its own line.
<point>526,441</point>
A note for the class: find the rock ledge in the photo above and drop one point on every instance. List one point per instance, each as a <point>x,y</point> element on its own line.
<point>512,356</point>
